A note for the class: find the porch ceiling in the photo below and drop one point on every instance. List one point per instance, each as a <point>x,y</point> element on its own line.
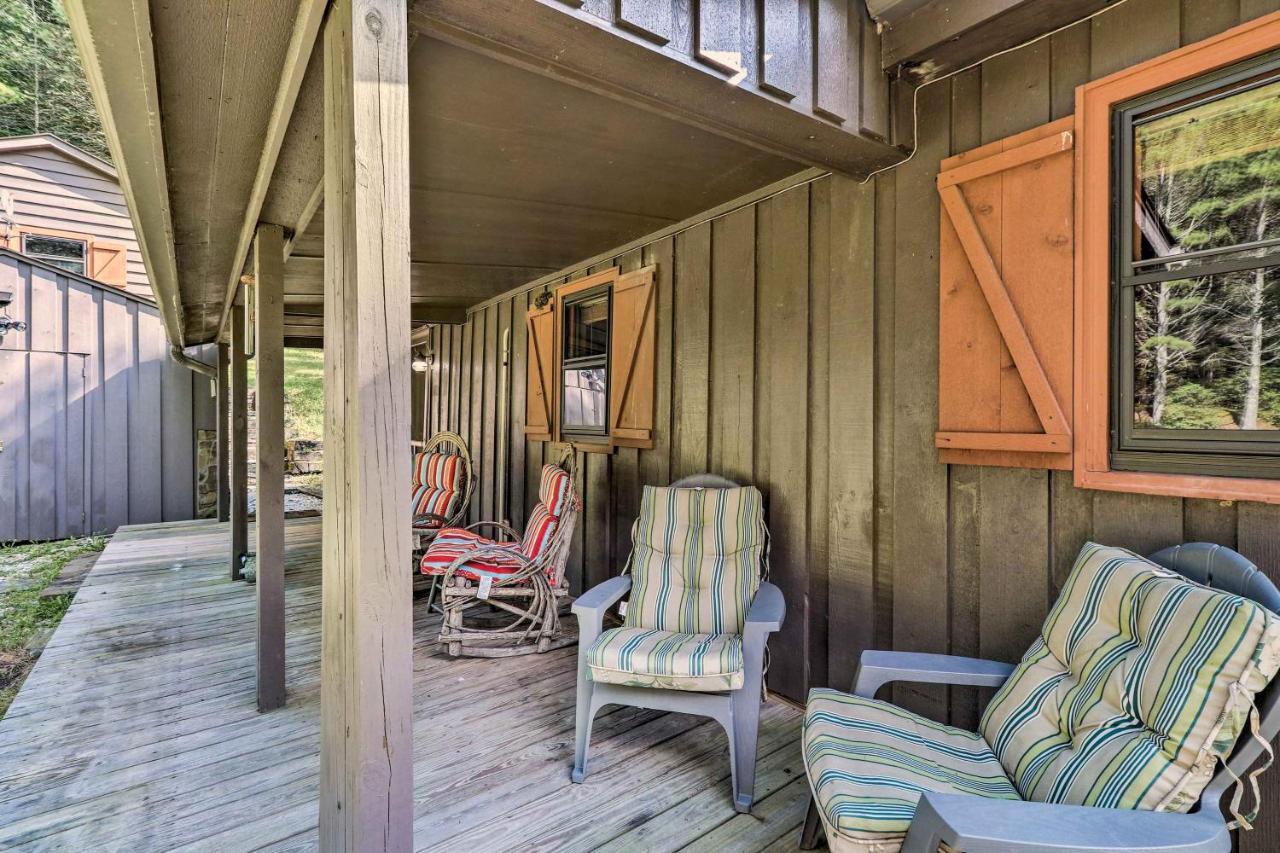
<point>513,174</point>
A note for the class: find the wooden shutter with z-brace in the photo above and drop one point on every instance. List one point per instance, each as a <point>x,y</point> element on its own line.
<point>108,264</point>
<point>541,358</point>
<point>1006,295</point>
<point>632,359</point>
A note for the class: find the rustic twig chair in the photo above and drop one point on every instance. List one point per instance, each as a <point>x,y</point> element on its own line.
<point>443,480</point>
<point>522,578</point>
<point>695,627</point>
<point>1158,684</point>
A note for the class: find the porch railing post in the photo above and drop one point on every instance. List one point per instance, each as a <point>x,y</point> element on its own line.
<point>222,413</point>
<point>366,676</point>
<point>268,350</point>
<point>239,463</point>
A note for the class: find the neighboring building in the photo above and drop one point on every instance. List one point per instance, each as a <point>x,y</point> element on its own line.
<point>64,206</point>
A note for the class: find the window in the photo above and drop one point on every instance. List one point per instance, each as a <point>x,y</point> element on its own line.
<point>71,255</point>
<point>1195,351</point>
<point>585,363</point>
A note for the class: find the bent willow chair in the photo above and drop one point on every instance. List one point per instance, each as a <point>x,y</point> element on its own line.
<point>694,630</point>
<point>521,581</point>
<point>442,486</point>
<point>1105,737</point>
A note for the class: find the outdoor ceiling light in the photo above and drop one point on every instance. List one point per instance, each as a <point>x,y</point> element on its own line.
<point>7,323</point>
<point>419,364</point>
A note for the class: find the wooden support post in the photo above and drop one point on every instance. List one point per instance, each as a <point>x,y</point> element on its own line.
<point>222,413</point>
<point>268,324</point>
<point>239,473</point>
<point>366,676</point>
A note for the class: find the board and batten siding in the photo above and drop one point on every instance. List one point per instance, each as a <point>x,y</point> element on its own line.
<point>98,423</point>
<point>798,349</point>
<point>54,192</point>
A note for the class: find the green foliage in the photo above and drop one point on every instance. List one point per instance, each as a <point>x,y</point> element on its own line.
<point>303,393</point>
<point>42,85</point>
<point>1192,406</point>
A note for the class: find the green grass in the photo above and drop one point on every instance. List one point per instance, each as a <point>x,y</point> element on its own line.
<point>303,393</point>
<point>23,613</point>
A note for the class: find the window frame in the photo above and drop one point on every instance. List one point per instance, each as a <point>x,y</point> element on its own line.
<point>565,364</point>
<point>1092,377</point>
<point>1176,451</point>
<point>85,243</point>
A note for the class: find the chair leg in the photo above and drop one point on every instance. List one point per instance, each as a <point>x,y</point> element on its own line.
<point>746,724</point>
<point>582,724</point>
<point>812,832</point>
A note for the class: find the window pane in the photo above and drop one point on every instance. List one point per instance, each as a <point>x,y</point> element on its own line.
<point>1208,176</point>
<point>587,327</point>
<point>1207,352</point>
<point>55,247</point>
<point>584,398</point>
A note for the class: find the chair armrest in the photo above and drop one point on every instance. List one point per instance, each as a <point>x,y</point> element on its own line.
<point>767,611</point>
<point>878,668</point>
<point>590,607</point>
<point>505,528</point>
<point>980,825</point>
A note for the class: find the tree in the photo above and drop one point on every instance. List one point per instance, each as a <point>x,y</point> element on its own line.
<point>42,85</point>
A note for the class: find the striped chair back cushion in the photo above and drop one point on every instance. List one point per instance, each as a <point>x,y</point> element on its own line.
<point>1139,681</point>
<point>437,481</point>
<point>696,558</point>
<point>538,531</point>
<point>555,498</point>
<point>555,490</point>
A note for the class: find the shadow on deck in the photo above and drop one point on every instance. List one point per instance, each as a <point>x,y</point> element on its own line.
<point>137,730</point>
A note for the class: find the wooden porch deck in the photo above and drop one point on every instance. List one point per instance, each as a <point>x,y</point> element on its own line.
<point>137,730</point>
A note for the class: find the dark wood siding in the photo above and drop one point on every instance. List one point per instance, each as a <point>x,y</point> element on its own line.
<point>797,348</point>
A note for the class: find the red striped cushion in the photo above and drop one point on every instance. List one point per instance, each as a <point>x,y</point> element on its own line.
<point>555,490</point>
<point>453,542</point>
<point>538,532</point>
<point>427,500</point>
<point>437,470</point>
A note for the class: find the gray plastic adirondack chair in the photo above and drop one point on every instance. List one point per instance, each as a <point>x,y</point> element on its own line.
<point>979,825</point>
<point>737,711</point>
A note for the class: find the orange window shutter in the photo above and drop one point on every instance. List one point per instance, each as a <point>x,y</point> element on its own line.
<point>109,264</point>
<point>1005,334</point>
<point>632,359</point>
<point>541,373</point>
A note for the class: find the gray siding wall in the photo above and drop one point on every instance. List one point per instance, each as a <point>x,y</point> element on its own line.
<point>98,422</point>
<point>797,348</point>
<point>54,192</point>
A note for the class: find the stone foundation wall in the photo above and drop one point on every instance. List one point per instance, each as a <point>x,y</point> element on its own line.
<point>206,473</point>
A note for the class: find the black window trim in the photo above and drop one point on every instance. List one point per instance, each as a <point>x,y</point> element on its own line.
<point>593,434</point>
<point>1253,454</point>
<point>54,259</point>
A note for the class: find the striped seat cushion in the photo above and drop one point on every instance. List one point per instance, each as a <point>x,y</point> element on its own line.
<point>638,657</point>
<point>1139,680</point>
<point>696,558</point>
<point>868,762</point>
<point>437,480</point>
<point>453,542</point>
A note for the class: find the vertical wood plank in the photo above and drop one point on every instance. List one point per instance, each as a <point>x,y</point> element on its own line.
<point>117,358</point>
<point>519,378</point>
<point>268,349</point>
<point>44,371</point>
<point>886,256</point>
<point>1209,521</point>
<point>74,463</point>
<point>692,351</point>
<point>655,463</point>
<point>1071,523</point>
<point>732,345</point>
<point>13,385</point>
<point>919,551</point>
<point>1141,523</point>
<point>1112,43</point>
<point>832,63</point>
<point>651,19</point>
<point>84,336</point>
<point>222,428</point>
<point>475,411</point>
<point>720,34</point>
<point>822,226</point>
<point>239,451</point>
<point>781,59</point>
<point>490,347</point>
<point>851,414</point>
<point>174,453</point>
<point>624,471</point>
<point>502,420</point>
<point>1069,68</point>
<point>1201,20</point>
<point>1258,528</point>
<point>366,685</point>
<point>782,301</point>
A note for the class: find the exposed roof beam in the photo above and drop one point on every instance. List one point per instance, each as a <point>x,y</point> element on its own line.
<point>944,35</point>
<point>114,41</point>
<point>304,275</point>
<point>577,48</point>
<point>306,28</point>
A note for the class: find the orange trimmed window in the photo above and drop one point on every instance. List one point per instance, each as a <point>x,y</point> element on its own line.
<point>1177,375</point>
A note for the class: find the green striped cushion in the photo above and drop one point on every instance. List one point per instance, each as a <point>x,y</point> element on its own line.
<point>1139,680</point>
<point>868,762</point>
<point>695,559</point>
<point>639,657</point>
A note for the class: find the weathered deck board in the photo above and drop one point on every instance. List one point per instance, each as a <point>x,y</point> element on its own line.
<point>137,730</point>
